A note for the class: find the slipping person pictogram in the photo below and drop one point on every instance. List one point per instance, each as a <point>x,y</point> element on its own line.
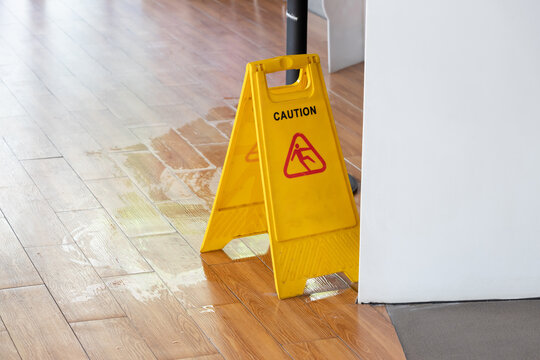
<point>299,153</point>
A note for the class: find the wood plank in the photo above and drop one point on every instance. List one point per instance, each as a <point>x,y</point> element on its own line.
<point>7,349</point>
<point>9,106</point>
<point>236,333</point>
<point>40,104</point>
<point>221,83</point>
<point>348,140</point>
<point>189,217</point>
<point>27,84</point>
<point>174,151</point>
<point>260,245</point>
<point>125,105</point>
<point>192,281</point>
<point>225,127</point>
<point>109,251</point>
<point>159,317</point>
<point>86,156</point>
<point>129,208</point>
<point>220,112</point>
<point>31,217</point>
<point>215,153</point>
<point>74,96</point>
<point>199,132</point>
<point>111,339</point>
<point>113,58</point>
<point>8,55</point>
<point>289,321</point>
<point>234,251</point>
<point>381,309</point>
<point>92,165</point>
<point>157,182</point>
<point>349,84</point>
<point>109,131</point>
<point>36,325</point>
<point>206,357</point>
<point>206,102</point>
<point>77,289</point>
<point>344,297</point>
<point>361,327</point>
<point>356,161</point>
<point>101,83</point>
<point>178,115</point>
<point>347,115</point>
<point>60,126</point>
<point>203,183</point>
<point>59,184</point>
<point>26,139</point>
<point>13,173</point>
<point>15,266</point>
<point>320,350</point>
<point>175,76</point>
<point>322,285</point>
<point>249,25</point>
<point>150,90</point>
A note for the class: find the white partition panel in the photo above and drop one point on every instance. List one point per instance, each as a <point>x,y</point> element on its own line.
<point>451,151</point>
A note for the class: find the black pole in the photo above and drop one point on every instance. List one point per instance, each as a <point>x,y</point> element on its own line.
<point>297,15</point>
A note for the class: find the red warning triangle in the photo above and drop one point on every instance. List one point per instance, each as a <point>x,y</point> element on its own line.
<point>302,158</point>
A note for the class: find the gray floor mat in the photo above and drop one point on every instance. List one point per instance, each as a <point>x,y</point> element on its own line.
<point>473,330</point>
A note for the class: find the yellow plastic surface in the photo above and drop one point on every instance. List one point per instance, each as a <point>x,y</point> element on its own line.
<point>295,187</point>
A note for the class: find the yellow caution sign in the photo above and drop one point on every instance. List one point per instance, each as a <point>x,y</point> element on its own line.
<point>284,174</point>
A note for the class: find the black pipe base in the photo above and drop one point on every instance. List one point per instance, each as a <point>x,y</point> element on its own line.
<point>354,184</point>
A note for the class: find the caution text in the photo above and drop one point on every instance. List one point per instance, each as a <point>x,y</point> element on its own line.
<point>292,113</point>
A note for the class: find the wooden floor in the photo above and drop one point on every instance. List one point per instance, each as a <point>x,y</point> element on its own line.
<point>114,122</point>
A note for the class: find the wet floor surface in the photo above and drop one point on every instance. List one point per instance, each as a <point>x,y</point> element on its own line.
<point>114,122</point>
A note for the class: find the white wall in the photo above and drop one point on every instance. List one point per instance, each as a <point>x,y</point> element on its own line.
<point>451,151</point>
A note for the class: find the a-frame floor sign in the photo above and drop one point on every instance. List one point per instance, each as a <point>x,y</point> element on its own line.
<point>295,186</point>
